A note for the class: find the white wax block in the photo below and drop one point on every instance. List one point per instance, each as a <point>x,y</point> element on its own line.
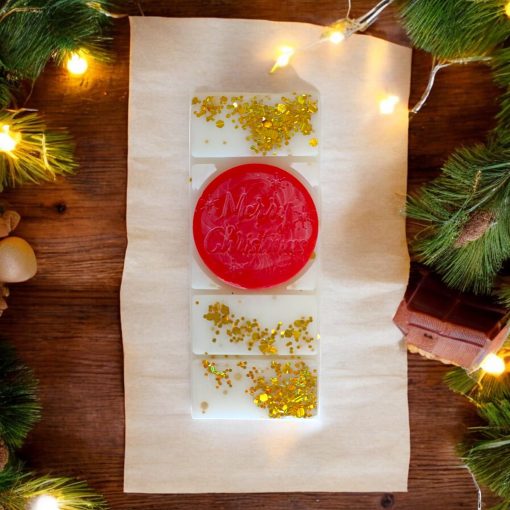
<point>233,402</point>
<point>276,312</point>
<point>208,140</point>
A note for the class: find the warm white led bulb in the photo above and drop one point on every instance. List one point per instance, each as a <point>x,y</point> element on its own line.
<point>388,104</point>
<point>45,502</point>
<point>493,364</point>
<point>7,141</point>
<point>77,64</point>
<point>336,36</point>
<point>283,59</point>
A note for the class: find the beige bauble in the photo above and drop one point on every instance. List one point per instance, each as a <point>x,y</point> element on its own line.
<point>17,260</point>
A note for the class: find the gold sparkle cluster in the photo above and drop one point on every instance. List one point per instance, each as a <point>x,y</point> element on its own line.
<point>289,390</point>
<point>270,127</point>
<point>221,376</point>
<point>250,332</point>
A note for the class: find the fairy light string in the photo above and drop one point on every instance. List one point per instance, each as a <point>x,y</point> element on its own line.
<point>335,33</point>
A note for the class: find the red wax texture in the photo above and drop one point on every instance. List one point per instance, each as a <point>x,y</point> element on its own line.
<point>255,226</point>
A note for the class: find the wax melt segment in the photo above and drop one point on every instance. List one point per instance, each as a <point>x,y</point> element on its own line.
<point>255,226</point>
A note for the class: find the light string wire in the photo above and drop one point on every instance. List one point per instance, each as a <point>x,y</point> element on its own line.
<point>437,65</point>
<point>479,498</point>
<point>337,32</point>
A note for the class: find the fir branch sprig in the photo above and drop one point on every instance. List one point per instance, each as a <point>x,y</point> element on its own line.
<point>478,386</point>
<point>18,490</point>
<point>40,155</point>
<point>32,32</point>
<point>474,181</point>
<point>19,408</point>
<point>487,453</point>
<point>455,29</point>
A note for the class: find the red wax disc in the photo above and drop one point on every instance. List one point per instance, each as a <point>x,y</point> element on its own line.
<point>255,226</point>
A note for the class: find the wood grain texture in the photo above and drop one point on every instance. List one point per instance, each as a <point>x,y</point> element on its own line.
<point>65,322</point>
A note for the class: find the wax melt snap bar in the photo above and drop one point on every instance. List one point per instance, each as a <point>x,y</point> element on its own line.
<point>254,178</point>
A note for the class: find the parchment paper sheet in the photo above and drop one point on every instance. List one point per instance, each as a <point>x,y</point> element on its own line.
<point>361,442</point>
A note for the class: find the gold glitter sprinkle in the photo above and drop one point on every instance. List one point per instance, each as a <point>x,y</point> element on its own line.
<point>250,331</point>
<point>290,391</point>
<point>283,388</point>
<point>270,127</point>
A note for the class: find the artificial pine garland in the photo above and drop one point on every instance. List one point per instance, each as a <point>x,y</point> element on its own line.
<point>33,32</point>
<point>465,212</point>
<point>39,155</point>
<point>19,408</point>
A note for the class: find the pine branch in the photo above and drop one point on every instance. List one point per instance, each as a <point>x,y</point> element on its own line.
<point>455,29</point>
<point>34,31</point>
<point>18,490</point>
<point>487,454</point>
<point>474,181</point>
<point>478,386</point>
<point>40,155</point>
<point>19,408</point>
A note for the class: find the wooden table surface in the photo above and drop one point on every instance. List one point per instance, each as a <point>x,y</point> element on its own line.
<point>65,322</point>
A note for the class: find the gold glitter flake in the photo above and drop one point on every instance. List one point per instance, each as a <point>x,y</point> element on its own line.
<point>283,388</point>
<point>313,142</point>
<point>290,391</point>
<point>250,331</point>
<point>270,127</point>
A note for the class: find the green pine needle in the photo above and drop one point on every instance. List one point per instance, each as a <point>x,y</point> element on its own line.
<point>455,29</point>
<point>18,490</point>
<point>19,408</point>
<point>40,155</point>
<point>473,180</point>
<point>500,64</point>
<point>478,386</point>
<point>5,93</point>
<point>34,31</point>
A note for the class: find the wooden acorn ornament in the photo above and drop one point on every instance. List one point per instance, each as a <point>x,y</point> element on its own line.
<point>17,258</point>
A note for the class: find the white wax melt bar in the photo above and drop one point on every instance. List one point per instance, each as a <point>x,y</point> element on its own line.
<point>219,137</point>
<point>260,324</point>
<point>255,347</point>
<point>221,388</point>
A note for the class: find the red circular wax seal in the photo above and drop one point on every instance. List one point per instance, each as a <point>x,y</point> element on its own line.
<point>255,226</point>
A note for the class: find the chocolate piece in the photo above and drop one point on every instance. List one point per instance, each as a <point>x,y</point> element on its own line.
<point>449,325</point>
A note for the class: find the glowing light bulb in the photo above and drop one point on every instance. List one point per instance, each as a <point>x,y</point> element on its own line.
<point>388,104</point>
<point>493,364</point>
<point>283,59</point>
<point>507,9</point>
<point>336,37</point>
<point>77,64</point>
<point>45,502</point>
<point>7,141</point>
